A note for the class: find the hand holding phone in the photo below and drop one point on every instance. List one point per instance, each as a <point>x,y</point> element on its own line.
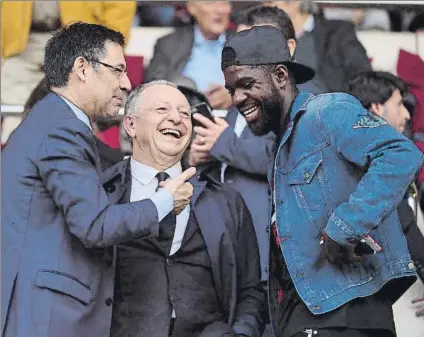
<point>204,110</point>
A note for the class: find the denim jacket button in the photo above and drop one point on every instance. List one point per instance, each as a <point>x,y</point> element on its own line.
<point>306,176</point>
<point>411,265</point>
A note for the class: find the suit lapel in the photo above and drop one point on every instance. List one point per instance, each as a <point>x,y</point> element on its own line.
<point>213,233</point>
<point>183,51</point>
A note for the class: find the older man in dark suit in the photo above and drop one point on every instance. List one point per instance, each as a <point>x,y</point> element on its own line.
<point>201,277</point>
<point>57,223</point>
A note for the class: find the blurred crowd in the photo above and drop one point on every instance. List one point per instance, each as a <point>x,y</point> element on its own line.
<point>364,18</point>
<point>321,37</point>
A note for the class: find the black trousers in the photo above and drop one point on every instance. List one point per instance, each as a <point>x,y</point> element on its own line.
<point>343,332</point>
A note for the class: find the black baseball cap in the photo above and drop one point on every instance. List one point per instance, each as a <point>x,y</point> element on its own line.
<point>263,45</point>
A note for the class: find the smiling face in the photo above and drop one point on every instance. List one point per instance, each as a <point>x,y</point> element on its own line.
<point>256,96</point>
<point>106,87</point>
<point>161,128</point>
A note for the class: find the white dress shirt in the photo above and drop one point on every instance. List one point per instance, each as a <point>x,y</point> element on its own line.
<point>144,183</point>
<point>241,123</point>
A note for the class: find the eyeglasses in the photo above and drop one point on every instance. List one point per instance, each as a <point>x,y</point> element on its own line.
<point>119,71</point>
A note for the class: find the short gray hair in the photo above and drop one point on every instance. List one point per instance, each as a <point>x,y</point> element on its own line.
<point>133,103</point>
<point>309,6</point>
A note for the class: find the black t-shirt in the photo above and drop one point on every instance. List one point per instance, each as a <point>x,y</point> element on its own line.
<point>290,315</point>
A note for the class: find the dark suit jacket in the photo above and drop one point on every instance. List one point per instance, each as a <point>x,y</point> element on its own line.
<point>57,278</point>
<point>248,158</point>
<point>108,155</point>
<point>171,54</point>
<point>340,54</point>
<point>227,229</point>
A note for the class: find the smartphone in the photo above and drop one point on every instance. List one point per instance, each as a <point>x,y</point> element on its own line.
<point>204,110</point>
<point>367,246</point>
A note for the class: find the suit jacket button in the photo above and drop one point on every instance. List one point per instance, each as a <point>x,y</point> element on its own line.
<point>267,229</point>
<point>108,301</point>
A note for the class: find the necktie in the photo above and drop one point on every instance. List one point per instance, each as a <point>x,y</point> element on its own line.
<point>167,225</point>
<point>161,176</point>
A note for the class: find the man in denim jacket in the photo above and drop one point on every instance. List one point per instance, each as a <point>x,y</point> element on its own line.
<point>339,174</point>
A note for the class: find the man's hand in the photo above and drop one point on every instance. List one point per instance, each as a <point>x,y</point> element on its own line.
<point>196,157</point>
<point>336,253</point>
<point>218,97</point>
<point>180,189</point>
<point>207,135</point>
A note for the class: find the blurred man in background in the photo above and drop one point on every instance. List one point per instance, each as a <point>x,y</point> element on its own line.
<point>195,51</point>
<point>27,25</point>
<point>383,94</point>
<point>329,47</point>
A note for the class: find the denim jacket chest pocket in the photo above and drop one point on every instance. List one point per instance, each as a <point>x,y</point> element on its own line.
<point>307,182</point>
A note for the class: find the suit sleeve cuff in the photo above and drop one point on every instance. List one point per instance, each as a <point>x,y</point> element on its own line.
<point>164,202</point>
<point>337,230</point>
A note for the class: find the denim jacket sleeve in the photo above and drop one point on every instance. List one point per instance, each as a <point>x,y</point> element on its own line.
<point>249,154</point>
<point>390,162</point>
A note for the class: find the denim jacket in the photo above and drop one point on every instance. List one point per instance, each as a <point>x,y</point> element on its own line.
<point>342,170</point>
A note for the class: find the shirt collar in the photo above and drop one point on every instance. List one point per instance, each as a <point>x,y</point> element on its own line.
<point>78,112</point>
<point>199,39</point>
<point>308,26</point>
<point>145,174</point>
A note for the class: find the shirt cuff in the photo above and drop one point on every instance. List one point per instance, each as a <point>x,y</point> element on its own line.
<point>164,202</point>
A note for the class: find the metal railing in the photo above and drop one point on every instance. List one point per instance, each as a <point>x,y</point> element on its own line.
<point>16,110</point>
<point>11,109</point>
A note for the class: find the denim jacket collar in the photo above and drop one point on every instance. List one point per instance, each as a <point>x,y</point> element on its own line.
<point>298,106</point>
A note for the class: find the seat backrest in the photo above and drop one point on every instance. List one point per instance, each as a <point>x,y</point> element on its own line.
<point>142,41</point>
<point>383,47</point>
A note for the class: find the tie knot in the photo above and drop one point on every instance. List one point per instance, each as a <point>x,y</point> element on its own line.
<point>162,176</point>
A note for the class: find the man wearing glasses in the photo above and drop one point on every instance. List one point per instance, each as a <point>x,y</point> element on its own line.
<point>58,227</point>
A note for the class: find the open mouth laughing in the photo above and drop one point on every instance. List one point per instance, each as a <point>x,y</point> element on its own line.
<point>171,133</point>
<point>251,112</point>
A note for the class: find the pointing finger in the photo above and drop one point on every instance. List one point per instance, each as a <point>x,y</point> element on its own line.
<point>186,175</point>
